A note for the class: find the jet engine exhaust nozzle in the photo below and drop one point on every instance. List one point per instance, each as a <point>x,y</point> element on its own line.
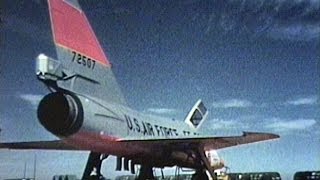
<point>61,114</point>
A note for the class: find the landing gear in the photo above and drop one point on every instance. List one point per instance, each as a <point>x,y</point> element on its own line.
<point>93,167</point>
<point>200,175</point>
<point>146,172</point>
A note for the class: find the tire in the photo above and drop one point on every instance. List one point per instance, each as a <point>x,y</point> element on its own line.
<point>200,176</point>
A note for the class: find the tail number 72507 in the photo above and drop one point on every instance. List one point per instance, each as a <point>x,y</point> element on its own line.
<point>83,60</point>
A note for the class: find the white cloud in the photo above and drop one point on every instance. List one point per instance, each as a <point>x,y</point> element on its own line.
<point>295,31</point>
<point>290,125</point>
<point>232,103</point>
<point>222,124</point>
<point>161,110</point>
<point>33,99</point>
<point>303,101</point>
<point>219,124</point>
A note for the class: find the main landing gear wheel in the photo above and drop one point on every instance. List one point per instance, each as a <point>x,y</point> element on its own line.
<point>200,175</point>
<point>145,173</point>
<point>93,167</point>
<point>206,166</point>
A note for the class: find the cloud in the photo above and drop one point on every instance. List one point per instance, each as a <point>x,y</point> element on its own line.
<point>296,20</point>
<point>33,99</point>
<point>303,101</point>
<point>161,110</point>
<point>232,103</point>
<point>223,124</point>
<point>299,32</point>
<point>290,125</point>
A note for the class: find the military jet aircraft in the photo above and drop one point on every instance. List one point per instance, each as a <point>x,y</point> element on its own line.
<point>86,110</point>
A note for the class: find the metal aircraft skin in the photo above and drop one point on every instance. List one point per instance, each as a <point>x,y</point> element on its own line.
<point>87,110</point>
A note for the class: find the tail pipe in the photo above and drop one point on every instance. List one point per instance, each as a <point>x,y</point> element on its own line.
<point>61,113</point>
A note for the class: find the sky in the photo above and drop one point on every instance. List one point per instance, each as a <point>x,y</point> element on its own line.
<point>255,65</point>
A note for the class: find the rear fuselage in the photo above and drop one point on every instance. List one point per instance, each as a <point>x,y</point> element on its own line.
<point>104,127</point>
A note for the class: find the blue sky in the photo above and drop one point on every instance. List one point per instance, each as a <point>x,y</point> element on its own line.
<point>253,63</point>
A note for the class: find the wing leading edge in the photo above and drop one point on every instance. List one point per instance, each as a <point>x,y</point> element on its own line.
<point>46,145</point>
<point>206,142</point>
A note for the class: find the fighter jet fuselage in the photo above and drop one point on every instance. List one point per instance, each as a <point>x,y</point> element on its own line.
<point>86,110</point>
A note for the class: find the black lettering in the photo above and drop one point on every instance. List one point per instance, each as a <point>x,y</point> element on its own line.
<point>150,129</point>
<point>175,132</point>
<point>165,131</point>
<point>94,63</point>
<point>84,60</point>
<point>79,58</point>
<point>145,131</point>
<point>74,56</point>
<point>158,129</point>
<point>136,122</point>
<point>89,63</point>
<point>162,132</point>
<point>129,123</point>
<point>170,132</point>
<point>186,133</point>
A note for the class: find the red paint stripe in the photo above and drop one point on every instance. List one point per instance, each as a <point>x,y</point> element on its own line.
<point>71,29</point>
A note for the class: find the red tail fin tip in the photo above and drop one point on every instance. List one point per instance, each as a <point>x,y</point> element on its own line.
<point>72,30</point>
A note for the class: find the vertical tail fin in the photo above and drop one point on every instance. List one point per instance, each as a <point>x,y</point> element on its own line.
<point>71,29</point>
<point>80,53</point>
